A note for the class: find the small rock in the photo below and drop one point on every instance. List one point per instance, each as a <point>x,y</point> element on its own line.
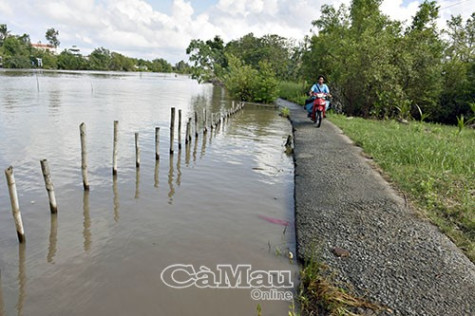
<point>340,252</point>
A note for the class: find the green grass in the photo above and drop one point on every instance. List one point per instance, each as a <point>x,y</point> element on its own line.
<point>433,165</point>
<point>294,92</point>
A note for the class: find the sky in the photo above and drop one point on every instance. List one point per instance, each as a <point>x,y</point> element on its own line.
<point>152,29</point>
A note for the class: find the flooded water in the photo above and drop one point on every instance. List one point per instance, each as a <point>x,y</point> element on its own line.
<point>223,203</point>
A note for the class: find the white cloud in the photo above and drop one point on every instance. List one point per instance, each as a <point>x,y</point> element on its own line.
<point>136,28</point>
<point>5,7</point>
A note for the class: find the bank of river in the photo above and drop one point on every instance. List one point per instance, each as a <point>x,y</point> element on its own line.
<point>226,199</point>
<point>392,256</point>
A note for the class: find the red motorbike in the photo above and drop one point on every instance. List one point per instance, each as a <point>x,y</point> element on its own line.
<point>318,111</point>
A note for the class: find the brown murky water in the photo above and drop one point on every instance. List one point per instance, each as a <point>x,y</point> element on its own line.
<point>223,200</point>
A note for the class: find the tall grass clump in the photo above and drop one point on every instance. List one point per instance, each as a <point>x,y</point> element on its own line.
<point>294,92</point>
<point>432,164</point>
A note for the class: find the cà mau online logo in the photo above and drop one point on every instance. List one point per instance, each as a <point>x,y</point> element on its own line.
<point>225,276</point>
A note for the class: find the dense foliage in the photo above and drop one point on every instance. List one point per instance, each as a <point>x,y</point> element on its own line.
<point>382,69</point>
<point>249,67</point>
<point>17,52</point>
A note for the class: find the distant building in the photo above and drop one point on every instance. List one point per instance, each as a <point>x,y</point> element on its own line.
<point>44,47</point>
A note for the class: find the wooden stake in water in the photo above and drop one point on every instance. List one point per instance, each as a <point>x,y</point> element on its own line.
<point>157,143</point>
<point>15,205</point>
<point>49,186</point>
<point>82,129</point>
<point>137,151</point>
<point>212,121</point>
<point>172,129</point>
<point>205,129</point>
<point>114,150</point>
<point>179,129</point>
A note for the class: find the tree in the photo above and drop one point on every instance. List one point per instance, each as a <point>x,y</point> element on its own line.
<point>70,61</point>
<point>3,33</point>
<point>458,70</point>
<point>181,67</point>
<point>52,37</point>
<point>100,59</point>
<point>160,65</point>
<point>423,76</point>
<point>119,62</point>
<point>273,49</point>
<point>208,59</point>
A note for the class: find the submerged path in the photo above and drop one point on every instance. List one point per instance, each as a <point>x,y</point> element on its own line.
<point>396,259</point>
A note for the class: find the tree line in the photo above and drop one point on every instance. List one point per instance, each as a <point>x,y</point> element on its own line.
<point>17,52</point>
<point>375,66</point>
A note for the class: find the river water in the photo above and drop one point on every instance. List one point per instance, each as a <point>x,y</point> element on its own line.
<point>226,199</point>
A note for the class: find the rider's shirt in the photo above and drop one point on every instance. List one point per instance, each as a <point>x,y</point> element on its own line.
<point>320,88</point>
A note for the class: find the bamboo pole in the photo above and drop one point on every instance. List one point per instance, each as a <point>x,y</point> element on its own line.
<point>212,121</point>
<point>179,129</point>
<point>157,143</point>
<point>114,151</point>
<point>137,151</point>
<point>172,129</point>
<point>15,205</point>
<point>82,129</point>
<point>49,186</point>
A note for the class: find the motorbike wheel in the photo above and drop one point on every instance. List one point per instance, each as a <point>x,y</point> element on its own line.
<point>318,118</point>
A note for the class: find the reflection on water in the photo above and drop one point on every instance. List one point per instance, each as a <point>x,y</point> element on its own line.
<point>137,183</point>
<point>178,169</point>
<point>86,222</point>
<point>156,177</point>
<point>195,148</point>
<point>203,145</point>
<point>171,171</point>
<point>52,238</point>
<point>21,278</point>
<point>116,198</point>
<point>207,215</point>
<point>187,154</point>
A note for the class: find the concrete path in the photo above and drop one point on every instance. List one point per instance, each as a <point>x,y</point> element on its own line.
<point>396,259</point>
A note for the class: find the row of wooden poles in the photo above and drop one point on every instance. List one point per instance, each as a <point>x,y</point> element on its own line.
<point>215,123</point>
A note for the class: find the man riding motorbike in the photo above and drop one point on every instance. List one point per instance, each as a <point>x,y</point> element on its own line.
<point>319,87</point>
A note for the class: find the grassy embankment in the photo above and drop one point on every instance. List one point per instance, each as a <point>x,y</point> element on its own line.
<point>433,165</point>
